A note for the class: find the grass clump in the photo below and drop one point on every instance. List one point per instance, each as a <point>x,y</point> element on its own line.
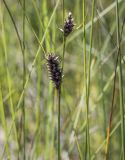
<point>80,116</point>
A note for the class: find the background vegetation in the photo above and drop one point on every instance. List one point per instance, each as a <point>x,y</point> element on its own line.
<point>29,29</point>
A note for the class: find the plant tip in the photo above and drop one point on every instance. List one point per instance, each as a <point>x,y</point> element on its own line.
<point>68,25</point>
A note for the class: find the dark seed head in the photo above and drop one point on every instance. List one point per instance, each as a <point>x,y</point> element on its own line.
<point>54,70</point>
<point>68,25</point>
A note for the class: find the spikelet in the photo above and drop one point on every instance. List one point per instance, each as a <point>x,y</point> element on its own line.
<point>68,25</point>
<point>54,70</point>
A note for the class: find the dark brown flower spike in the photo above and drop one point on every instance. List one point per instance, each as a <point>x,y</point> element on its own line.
<point>53,64</point>
<point>68,25</point>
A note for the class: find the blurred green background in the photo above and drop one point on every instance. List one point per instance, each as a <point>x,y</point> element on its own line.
<point>43,18</point>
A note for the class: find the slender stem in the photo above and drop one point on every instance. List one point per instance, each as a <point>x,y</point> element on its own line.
<point>120,84</point>
<point>64,38</point>
<point>89,66</point>
<point>63,8</point>
<point>59,90</point>
<point>24,75</point>
<point>59,100</point>
<point>85,80</point>
<point>90,51</point>
<point>64,47</point>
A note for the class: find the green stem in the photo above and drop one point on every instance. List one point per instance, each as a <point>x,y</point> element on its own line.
<point>120,83</point>
<point>85,81</point>
<point>90,51</point>
<point>64,47</point>
<point>59,100</point>
<point>24,75</point>
<point>64,38</point>
<point>89,67</point>
<point>63,7</point>
<point>59,90</point>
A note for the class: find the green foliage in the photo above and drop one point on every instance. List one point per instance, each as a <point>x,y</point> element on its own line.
<point>92,88</point>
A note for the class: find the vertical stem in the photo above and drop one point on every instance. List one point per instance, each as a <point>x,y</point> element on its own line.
<point>63,8</point>
<point>89,67</point>
<point>64,38</point>
<point>59,90</point>
<point>85,81</point>
<point>90,51</point>
<point>24,75</point>
<point>59,100</point>
<point>64,47</point>
<point>103,105</point>
<point>120,83</point>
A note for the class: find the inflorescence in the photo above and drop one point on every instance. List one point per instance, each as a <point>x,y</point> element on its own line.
<point>68,25</point>
<point>54,70</point>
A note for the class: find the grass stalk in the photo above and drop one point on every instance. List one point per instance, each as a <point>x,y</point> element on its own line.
<point>120,84</point>
<point>85,82</point>
<point>24,77</point>
<point>89,70</point>
<point>64,38</point>
<point>64,47</point>
<point>59,101</point>
<point>90,51</point>
<point>59,90</point>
